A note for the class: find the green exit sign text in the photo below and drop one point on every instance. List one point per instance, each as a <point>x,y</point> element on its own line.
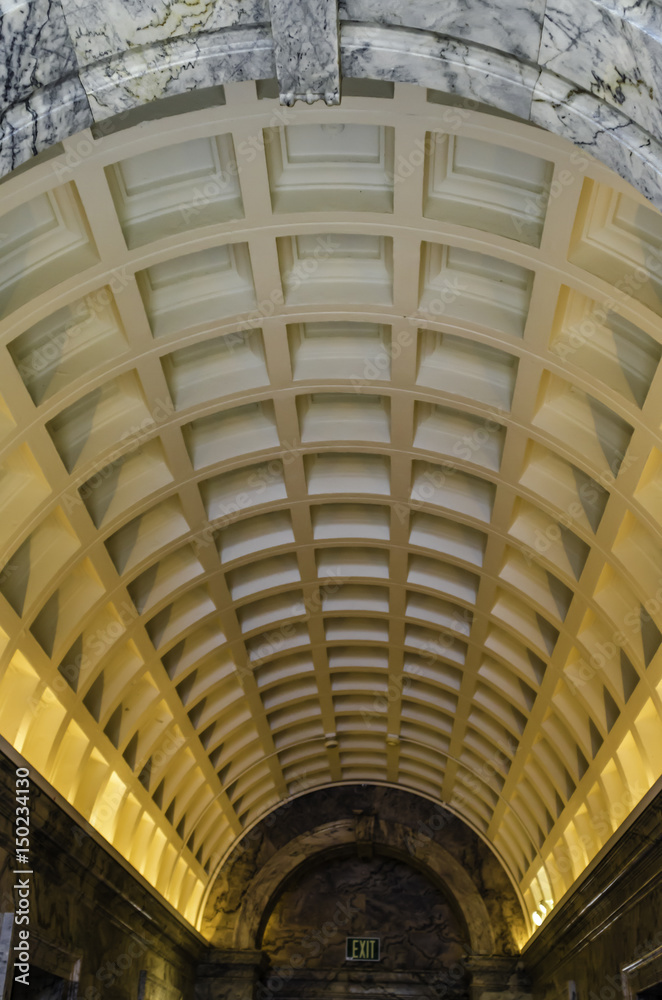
<point>362,949</point>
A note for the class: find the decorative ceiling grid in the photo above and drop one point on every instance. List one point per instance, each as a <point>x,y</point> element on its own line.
<point>331,452</point>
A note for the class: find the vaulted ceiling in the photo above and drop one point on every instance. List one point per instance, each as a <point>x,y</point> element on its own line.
<point>331,453</point>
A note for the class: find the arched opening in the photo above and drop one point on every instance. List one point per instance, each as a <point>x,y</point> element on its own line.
<point>341,863</point>
<point>340,895</point>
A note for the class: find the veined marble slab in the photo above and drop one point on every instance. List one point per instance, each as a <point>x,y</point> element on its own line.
<point>603,131</point>
<point>103,28</point>
<point>174,67</point>
<point>438,63</point>
<point>613,50</point>
<point>65,63</point>
<point>642,11</point>
<point>46,117</point>
<point>511,26</point>
<point>35,48</point>
<point>305,36</point>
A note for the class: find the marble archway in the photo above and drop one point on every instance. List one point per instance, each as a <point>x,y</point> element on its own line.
<point>588,71</point>
<point>326,830</point>
<point>393,840</point>
<point>393,821</point>
<point>340,894</point>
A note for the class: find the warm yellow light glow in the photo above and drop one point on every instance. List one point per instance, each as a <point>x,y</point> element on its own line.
<point>167,654</point>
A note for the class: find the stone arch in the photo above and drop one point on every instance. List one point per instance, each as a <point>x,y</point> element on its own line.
<point>394,840</point>
<point>583,71</point>
<point>439,843</point>
<point>393,822</point>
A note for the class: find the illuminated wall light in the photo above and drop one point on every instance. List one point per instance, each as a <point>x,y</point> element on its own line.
<point>539,915</point>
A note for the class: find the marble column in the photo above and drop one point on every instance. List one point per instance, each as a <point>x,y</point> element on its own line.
<point>228,975</point>
<point>496,978</point>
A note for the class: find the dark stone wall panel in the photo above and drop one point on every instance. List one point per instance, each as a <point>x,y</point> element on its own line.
<point>607,938</point>
<point>85,907</point>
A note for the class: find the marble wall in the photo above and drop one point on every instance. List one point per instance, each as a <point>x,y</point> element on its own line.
<point>421,938</point>
<point>406,821</point>
<point>88,916</point>
<point>92,920</point>
<point>585,69</point>
<point>362,860</point>
<point>363,897</point>
<point>607,938</point>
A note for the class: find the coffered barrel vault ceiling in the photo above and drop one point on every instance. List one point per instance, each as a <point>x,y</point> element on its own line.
<point>331,453</point>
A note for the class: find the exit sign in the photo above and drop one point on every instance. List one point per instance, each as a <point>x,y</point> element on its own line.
<point>362,949</point>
